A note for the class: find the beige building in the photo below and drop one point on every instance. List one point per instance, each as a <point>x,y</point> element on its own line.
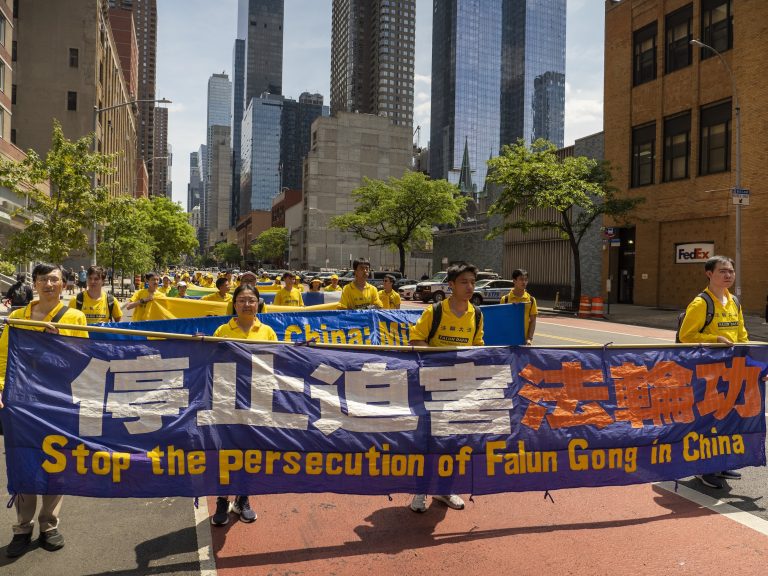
<point>218,187</point>
<point>346,148</point>
<point>670,137</point>
<point>67,67</point>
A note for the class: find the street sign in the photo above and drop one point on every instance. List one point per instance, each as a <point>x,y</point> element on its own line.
<point>615,242</point>
<point>609,232</point>
<point>740,196</point>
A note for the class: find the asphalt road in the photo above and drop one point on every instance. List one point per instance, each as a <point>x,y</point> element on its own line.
<point>629,530</point>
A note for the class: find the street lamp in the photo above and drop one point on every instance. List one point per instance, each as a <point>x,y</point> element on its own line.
<point>96,112</point>
<point>325,218</point>
<point>737,116</point>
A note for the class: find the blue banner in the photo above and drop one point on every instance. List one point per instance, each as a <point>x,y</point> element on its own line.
<point>185,418</point>
<point>503,325</point>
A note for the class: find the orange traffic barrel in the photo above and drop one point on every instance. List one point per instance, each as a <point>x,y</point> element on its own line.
<point>597,307</point>
<point>585,307</point>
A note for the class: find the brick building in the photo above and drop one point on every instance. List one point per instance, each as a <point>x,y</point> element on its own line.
<point>670,137</point>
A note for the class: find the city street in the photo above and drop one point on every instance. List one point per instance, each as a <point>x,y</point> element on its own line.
<point>642,530</point>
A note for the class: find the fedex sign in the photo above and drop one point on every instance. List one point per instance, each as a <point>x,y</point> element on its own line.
<point>693,253</point>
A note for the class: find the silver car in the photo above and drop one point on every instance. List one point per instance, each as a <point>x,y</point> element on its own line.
<point>491,291</point>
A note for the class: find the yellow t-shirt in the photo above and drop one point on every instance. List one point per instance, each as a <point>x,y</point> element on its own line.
<point>530,306</point>
<point>258,331</point>
<point>290,297</point>
<point>71,316</point>
<point>353,298</point>
<point>728,321</point>
<point>96,310</point>
<point>140,312</point>
<point>332,288</point>
<point>453,331</point>
<point>216,297</point>
<point>391,301</point>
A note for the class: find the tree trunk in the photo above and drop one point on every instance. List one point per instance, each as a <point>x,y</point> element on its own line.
<point>401,250</point>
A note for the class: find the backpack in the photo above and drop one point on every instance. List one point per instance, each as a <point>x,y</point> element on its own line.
<point>19,294</point>
<point>709,316</point>
<point>437,316</point>
<point>110,302</point>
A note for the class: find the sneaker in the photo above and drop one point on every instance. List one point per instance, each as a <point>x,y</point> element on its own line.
<point>19,545</point>
<point>51,540</point>
<point>419,503</point>
<point>221,516</point>
<point>729,474</point>
<point>710,480</point>
<point>243,507</point>
<point>451,500</point>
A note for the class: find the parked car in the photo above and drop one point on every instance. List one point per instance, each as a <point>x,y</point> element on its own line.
<point>491,291</point>
<point>437,289</point>
<point>403,282</point>
<point>406,291</point>
<point>376,277</point>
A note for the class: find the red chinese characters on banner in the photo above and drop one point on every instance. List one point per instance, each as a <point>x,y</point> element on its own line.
<point>739,376</point>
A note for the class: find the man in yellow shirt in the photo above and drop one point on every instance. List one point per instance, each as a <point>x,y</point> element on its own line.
<point>289,295</point>
<point>165,287</point>
<point>715,316</point>
<point>48,281</point>
<point>97,305</point>
<point>358,293</point>
<point>390,299</point>
<point>334,285</point>
<point>141,298</point>
<point>223,295</point>
<point>460,323</point>
<point>519,295</point>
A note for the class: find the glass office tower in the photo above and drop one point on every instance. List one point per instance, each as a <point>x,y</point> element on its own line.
<point>260,153</point>
<point>498,74</point>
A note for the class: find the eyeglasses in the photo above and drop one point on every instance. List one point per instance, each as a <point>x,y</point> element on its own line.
<point>243,301</point>
<point>47,279</point>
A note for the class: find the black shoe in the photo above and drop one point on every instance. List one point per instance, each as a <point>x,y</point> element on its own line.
<point>19,545</point>
<point>221,517</point>
<point>51,540</point>
<point>729,474</point>
<point>710,480</point>
<point>243,507</point>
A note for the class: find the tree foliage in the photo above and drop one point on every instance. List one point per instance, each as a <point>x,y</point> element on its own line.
<point>400,213</point>
<point>542,191</point>
<point>56,224</point>
<point>168,228</point>
<point>126,243</point>
<point>227,253</point>
<point>271,245</point>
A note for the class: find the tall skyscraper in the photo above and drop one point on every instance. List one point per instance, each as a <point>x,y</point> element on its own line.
<point>195,184</point>
<point>533,71</point>
<point>296,129</point>
<point>202,153</point>
<point>145,25</point>
<point>498,74</point>
<point>238,83</point>
<point>260,25</point>
<point>260,151</point>
<point>161,161</point>
<point>372,58</point>
<point>218,116</point>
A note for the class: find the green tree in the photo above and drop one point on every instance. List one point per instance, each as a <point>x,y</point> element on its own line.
<point>576,189</point>
<point>400,213</point>
<point>271,245</point>
<point>126,244</point>
<point>168,230</point>
<point>227,253</point>
<point>56,224</point>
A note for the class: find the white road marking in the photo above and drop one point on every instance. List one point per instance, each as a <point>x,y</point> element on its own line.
<point>204,542</point>
<point>731,512</point>
<point>607,331</point>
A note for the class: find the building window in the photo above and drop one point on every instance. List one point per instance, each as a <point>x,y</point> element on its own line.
<point>74,57</point>
<point>643,154</point>
<point>2,76</point>
<point>716,26</point>
<point>678,51</point>
<point>644,66</point>
<point>13,135</point>
<point>71,100</point>
<point>3,23</point>
<point>13,94</point>
<point>14,55</point>
<point>2,123</point>
<point>677,149</point>
<point>715,139</point>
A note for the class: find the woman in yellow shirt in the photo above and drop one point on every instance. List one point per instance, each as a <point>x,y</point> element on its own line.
<point>244,325</point>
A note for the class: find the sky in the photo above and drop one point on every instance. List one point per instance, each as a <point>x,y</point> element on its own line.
<point>195,39</point>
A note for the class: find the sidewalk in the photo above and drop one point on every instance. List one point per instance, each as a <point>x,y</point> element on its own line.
<point>665,319</point>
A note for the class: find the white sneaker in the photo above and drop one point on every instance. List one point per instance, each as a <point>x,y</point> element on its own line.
<point>451,500</point>
<point>419,503</point>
